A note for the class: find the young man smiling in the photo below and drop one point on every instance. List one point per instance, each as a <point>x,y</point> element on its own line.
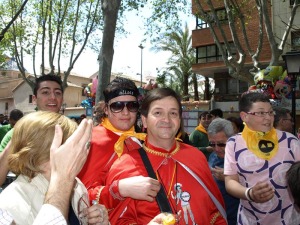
<point>48,96</point>
<point>198,137</point>
<point>256,162</point>
<point>48,93</point>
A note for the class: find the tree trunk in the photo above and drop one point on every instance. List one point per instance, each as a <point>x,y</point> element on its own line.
<point>110,10</point>
<point>206,90</point>
<point>186,87</point>
<point>195,84</point>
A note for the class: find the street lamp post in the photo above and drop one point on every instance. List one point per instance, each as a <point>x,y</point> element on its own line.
<point>292,62</point>
<point>141,47</point>
<point>63,107</point>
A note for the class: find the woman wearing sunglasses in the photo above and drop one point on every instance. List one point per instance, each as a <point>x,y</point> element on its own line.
<point>112,138</point>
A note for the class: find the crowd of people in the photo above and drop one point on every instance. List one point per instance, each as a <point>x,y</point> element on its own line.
<point>238,170</point>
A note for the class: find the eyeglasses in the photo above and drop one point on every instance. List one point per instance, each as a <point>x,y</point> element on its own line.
<point>217,144</point>
<point>117,107</point>
<point>262,114</point>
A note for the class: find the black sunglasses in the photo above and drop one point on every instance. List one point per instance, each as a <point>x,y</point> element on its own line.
<point>217,144</point>
<point>132,106</point>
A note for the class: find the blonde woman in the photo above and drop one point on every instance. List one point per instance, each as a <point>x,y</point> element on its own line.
<point>29,159</point>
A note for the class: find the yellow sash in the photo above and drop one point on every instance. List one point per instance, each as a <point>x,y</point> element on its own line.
<point>178,137</point>
<point>263,145</point>
<point>119,145</point>
<point>201,128</point>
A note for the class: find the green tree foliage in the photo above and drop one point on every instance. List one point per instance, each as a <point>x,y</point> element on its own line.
<point>163,17</point>
<point>47,31</point>
<point>179,69</point>
<point>6,28</point>
<point>54,29</point>
<point>50,30</point>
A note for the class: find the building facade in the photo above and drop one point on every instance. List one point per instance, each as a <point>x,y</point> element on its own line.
<point>209,61</point>
<point>15,93</point>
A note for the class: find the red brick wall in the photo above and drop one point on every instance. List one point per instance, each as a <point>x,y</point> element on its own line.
<point>216,4</point>
<point>203,37</point>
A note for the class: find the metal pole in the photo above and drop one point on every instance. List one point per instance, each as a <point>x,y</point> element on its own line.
<point>141,47</point>
<point>292,60</point>
<point>64,106</point>
<point>294,81</point>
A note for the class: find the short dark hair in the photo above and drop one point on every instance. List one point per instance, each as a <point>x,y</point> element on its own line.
<point>203,114</point>
<point>16,114</point>
<point>292,179</point>
<point>99,112</point>
<point>117,85</point>
<point>47,77</point>
<point>217,113</point>
<point>158,94</point>
<point>280,113</point>
<point>248,99</point>
<point>237,121</point>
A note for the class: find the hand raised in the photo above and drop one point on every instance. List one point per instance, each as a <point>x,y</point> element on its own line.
<point>67,159</point>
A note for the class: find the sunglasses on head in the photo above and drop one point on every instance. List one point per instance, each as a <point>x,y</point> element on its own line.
<point>132,106</point>
<point>217,144</point>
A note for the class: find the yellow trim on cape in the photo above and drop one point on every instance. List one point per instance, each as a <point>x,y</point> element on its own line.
<point>263,145</point>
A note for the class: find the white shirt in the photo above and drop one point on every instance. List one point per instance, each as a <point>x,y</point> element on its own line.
<point>23,199</point>
<point>48,215</point>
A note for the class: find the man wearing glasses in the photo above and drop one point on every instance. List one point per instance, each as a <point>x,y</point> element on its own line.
<point>218,132</point>
<point>110,140</point>
<point>283,120</point>
<point>256,162</point>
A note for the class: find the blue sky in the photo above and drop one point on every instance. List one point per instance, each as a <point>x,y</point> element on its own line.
<point>127,56</point>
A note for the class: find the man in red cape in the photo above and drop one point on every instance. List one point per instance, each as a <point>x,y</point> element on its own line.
<point>181,169</point>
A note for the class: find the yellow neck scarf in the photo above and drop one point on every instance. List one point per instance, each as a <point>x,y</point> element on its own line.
<point>119,145</point>
<point>201,129</point>
<point>263,145</point>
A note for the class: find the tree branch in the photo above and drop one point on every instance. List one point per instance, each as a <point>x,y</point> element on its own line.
<point>289,26</point>
<point>12,20</point>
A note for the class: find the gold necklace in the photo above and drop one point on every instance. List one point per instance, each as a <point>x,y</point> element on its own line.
<point>161,153</point>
